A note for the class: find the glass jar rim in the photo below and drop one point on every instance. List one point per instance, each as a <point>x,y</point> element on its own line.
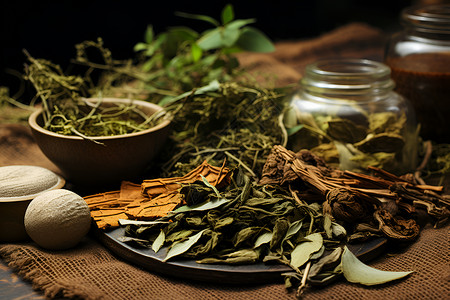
<point>348,75</point>
<point>430,18</point>
<point>352,69</point>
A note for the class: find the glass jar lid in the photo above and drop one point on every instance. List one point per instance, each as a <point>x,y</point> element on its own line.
<point>429,18</point>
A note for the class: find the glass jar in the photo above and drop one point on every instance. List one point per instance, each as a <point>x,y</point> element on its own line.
<point>419,58</point>
<point>347,112</point>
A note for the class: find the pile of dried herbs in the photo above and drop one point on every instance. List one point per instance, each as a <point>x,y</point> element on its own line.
<point>233,121</point>
<point>67,111</point>
<point>244,223</point>
<point>382,204</point>
<point>8,107</point>
<point>169,64</point>
<point>301,213</point>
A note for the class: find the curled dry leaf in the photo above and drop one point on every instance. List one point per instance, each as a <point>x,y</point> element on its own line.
<point>357,272</point>
<point>396,228</point>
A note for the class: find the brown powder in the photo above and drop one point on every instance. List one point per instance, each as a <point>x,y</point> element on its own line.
<point>424,79</point>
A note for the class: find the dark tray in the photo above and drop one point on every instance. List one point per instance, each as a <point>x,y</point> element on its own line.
<point>217,273</point>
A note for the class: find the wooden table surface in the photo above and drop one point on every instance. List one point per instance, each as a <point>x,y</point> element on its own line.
<point>13,287</point>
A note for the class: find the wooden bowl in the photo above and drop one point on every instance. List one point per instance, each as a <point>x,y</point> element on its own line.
<point>120,157</point>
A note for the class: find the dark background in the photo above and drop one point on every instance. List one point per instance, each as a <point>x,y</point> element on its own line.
<point>50,29</point>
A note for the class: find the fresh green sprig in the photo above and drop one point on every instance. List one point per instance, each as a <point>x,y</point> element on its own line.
<point>182,59</point>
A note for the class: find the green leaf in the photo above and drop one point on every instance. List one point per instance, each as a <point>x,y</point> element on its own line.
<point>159,241</point>
<point>338,230</point>
<point>149,34</point>
<point>196,52</point>
<point>148,65</point>
<point>140,46</point>
<point>211,87</point>
<point>181,247</point>
<point>212,39</point>
<point>227,14</point>
<point>264,238</point>
<point>293,229</point>
<point>303,251</point>
<point>318,254</point>
<point>184,33</point>
<point>291,131</point>
<point>229,36</point>
<point>198,17</point>
<point>239,23</point>
<point>254,40</point>
<point>202,206</point>
<point>206,182</point>
<point>357,272</point>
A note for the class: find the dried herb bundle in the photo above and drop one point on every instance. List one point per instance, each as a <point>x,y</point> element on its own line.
<point>381,205</point>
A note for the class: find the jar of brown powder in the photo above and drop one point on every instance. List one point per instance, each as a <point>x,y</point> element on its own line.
<point>419,58</point>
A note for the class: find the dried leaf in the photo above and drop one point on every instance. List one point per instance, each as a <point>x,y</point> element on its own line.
<point>382,142</point>
<point>318,254</point>
<point>386,122</point>
<point>244,235</point>
<point>346,131</point>
<point>179,236</point>
<point>124,222</point>
<point>215,203</point>
<point>396,227</point>
<point>279,231</point>
<point>206,182</point>
<point>357,272</point>
<point>302,252</point>
<point>263,238</point>
<point>244,256</point>
<point>181,247</point>
<point>223,222</point>
<point>294,227</point>
<point>327,226</point>
<point>325,261</point>
<point>338,230</point>
<point>159,241</point>
<point>127,239</point>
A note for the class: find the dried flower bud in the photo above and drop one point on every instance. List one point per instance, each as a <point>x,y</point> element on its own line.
<point>347,206</point>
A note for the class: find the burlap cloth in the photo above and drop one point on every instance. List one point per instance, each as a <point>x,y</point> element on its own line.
<point>90,271</point>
